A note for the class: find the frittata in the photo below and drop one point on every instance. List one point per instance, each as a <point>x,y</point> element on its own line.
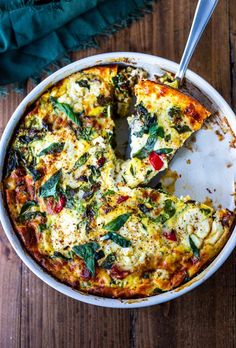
<point>85,215</point>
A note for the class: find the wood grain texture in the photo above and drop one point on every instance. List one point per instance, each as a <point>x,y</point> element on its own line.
<point>34,315</point>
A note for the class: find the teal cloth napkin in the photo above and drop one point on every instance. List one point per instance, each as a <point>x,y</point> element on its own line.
<point>34,34</point>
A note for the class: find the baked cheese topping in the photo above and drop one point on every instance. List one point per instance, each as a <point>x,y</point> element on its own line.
<point>79,210</point>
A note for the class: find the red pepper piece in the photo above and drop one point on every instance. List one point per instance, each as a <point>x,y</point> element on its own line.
<point>155,160</point>
<point>101,161</point>
<point>170,235</point>
<point>122,199</point>
<point>56,207</point>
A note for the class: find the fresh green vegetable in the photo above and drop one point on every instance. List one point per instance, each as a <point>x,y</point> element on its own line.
<point>42,227</point>
<point>118,239</point>
<point>27,205</point>
<point>109,261</point>
<point>194,248</point>
<point>144,208</point>
<point>52,149</point>
<point>132,170</point>
<point>169,208</point>
<point>66,109</point>
<point>83,83</point>
<point>109,193</point>
<point>13,161</point>
<point>50,187</point>
<point>117,223</point>
<point>81,161</point>
<point>182,129</point>
<point>31,215</point>
<point>87,252</point>
<point>206,211</point>
<point>174,111</point>
<point>164,150</point>
<point>57,254</point>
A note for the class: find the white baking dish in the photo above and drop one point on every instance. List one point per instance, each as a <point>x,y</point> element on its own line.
<point>207,154</point>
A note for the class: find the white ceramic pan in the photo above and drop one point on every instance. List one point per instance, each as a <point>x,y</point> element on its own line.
<point>205,166</point>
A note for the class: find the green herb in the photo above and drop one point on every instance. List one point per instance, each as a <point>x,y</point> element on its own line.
<point>34,172</point>
<point>30,216</point>
<point>27,205</point>
<point>86,133</point>
<point>162,218</point>
<point>154,132</point>
<point>117,223</point>
<point>13,161</point>
<point>87,252</point>
<point>42,227</point>
<point>194,248</point>
<point>50,187</point>
<point>164,150</point>
<point>119,82</point>
<point>169,209</point>
<point>83,83</point>
<point>66,109</point>
<point>144,208</point>
<point>81,161</point>
<point>132,170</point>
<point>108,193</point>
<point>57,254</point>
<point>182,129</point>
<point>167,137</point>
<point>174,111</point>
<point>52,149</point>
<point>205,211</point>
<point>109,261</point>
<point>118,239</point>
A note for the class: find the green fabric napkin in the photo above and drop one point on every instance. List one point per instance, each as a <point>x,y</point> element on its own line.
<point>34,34</point>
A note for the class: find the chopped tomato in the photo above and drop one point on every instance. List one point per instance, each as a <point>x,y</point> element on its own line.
<point>56,207</point>
<point>155,160</point>
<point>170,235</point>
<point>117,273</point>
<point>122,199</point>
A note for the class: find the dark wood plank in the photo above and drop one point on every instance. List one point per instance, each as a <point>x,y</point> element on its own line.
<point>34,315</point>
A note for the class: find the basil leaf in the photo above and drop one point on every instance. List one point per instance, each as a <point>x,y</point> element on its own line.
<point>117,223</point>
<point>66,109</point>
<point>182,129</point>
<point>87,252</point>
<point>109,261</point>
<point>205,211</point>
<point>164,150</point>
<point>83,83</point>
<point>30,216</point>
<point>52,149</point>
<point>49,188</point>
<point>194,248</point>
<point>118,239</point>
<point>27,205</point>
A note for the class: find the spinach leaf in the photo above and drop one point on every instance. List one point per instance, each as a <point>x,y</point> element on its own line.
<point>109,261</point>
<point>87,252</point>
<point>81,161</point>
<point>83,83</point>
<point>182,129</point>
<point>164,150</point>
<point>49,188</point>
<point>27,205</point>
<point>206,211</point>
<point>31,215</point>
<point>119,82</point>
<point>66,109</point>
<point>108,193</point>
<point>174,111</point>
<point>132,170</point>
<point>194,248</point>
<point>13,161</point>
<point>52,149</point>
<point>144,208</point>
<point>34,172</point>
<point>169,208</point>
<point>154,132</point>
<point>118,239</point>
<point>61,256</point>
<point>42,227</point>
<point>117,223</point>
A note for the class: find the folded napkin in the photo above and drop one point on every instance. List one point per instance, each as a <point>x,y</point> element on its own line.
<point>34,34</point>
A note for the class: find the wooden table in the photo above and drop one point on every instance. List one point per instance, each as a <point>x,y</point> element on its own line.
<point>34,315</point>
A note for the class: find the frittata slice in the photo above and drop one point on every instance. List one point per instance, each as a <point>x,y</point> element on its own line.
<point>164,118</point>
